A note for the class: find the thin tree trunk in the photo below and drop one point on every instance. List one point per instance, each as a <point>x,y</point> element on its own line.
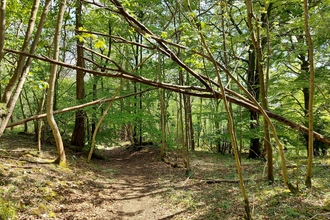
<point>268,145</point>
<point>22,70</point>
<point>257,44</point>
<point>21,60</point>
<point>61,159</point>
<point>162,110</point>
<point>232,133</point>
<point>190,123</point>
<point>39,122</point>
<point>308,180</point>
<point>162,115</point>
<point>2,27</point>
<point>101,120</point>
<point>23,113</point>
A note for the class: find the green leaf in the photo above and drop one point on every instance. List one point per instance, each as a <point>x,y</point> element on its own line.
<point>99,44</point>
<point>203,24</point>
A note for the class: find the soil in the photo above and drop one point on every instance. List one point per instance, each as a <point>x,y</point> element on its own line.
<point>129,184</point>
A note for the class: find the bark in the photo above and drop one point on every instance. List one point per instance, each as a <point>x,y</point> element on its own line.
<point>258,44</point>
<point>40,122</point>
<point>2,27</point>
<point>78,134</point>
<point>99,101</point>
<point>21,60</point>
<point>231,132</point>
<point>254,89</point>
<point>308,180</point>
<point>61,159</point>
<point>162,110</point>
<point>162,124</point>
<point>232,96</point>
<point>268,146</point>
<point>22,70</point>
<point>23,113</point>
<point>304,70</point>
<point>101,120</point>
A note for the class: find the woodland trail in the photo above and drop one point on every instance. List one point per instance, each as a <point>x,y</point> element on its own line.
<point>127,185</point>
<point>136,188</point>
<point>133,184</point>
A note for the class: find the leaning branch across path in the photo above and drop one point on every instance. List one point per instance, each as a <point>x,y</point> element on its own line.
<point>190,90</point>
<point>99,101</point>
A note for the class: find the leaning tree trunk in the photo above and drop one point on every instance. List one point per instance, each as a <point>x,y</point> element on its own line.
<point>231,132</point>
<point>20,74</point>
<point>61,159</point>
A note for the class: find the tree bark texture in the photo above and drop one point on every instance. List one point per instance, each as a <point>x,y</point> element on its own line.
<point>61,158</point>
<point>78,134</point>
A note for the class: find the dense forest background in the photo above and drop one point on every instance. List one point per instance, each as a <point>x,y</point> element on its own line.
<point>243,78</point>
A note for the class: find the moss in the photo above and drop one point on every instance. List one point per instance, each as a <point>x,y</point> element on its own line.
<point>51,214</point>
<point>60,162</point>
<point>7,210</point>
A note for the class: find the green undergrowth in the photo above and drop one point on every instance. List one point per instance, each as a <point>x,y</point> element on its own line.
<point>268,201</point>
<point>38,191</point>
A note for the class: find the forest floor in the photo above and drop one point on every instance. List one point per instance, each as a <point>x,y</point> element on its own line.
<point>138,185</point>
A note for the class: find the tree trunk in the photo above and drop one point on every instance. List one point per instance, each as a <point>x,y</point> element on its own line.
<point>22,70</point>
<point>61,159</point>
<point>231,132</point>
<point>2,29</point>
<point>183,135</point>
<point>304,70</point>
<point>254,90</point>
<point>263,80</point>
<point>162,124</point>
<point>23,113</point>
<point>162,109</point>
<point>78,134</point>
<point>308,179</point>
<point>137,130</point>
<point>21,60</point>
<point>39,122</point>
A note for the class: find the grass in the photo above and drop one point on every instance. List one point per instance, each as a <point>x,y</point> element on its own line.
<point>38,190</point>
<point>7,210</point>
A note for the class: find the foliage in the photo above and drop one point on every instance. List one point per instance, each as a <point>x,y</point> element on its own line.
<point>7,210</point>
<point>165,52</point>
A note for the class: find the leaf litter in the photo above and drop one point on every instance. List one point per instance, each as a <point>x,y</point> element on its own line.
<point>138,185</point>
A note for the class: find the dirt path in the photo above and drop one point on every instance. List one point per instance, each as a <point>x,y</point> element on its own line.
<point>128,185</point>
<point>136,185</point>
